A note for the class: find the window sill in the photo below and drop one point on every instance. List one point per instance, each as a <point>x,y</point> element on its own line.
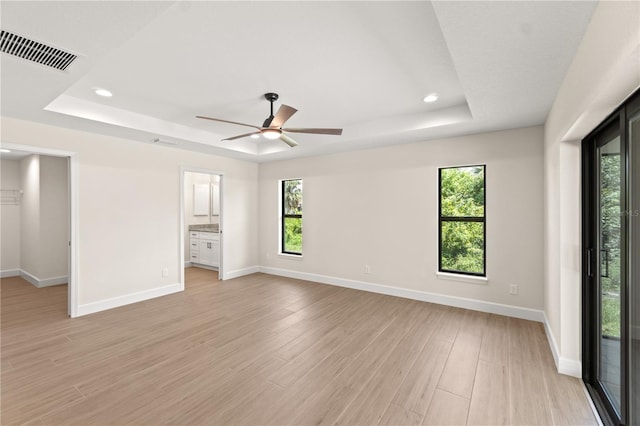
<point>290,256</point>
<point>462,278</point>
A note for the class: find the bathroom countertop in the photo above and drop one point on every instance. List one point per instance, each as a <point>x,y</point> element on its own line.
<point>205,228</point>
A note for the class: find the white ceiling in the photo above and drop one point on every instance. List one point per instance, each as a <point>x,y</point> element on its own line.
<point>362,66</point>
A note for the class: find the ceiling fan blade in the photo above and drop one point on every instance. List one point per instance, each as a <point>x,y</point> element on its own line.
<point>315,131</point>
<point>284,113</point>
<point>241,136</point>
<point>286,139</point>
<point>227,121</point>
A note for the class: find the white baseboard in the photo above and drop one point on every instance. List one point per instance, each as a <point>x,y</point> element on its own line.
<point>43,282</point>
<point>240,272</point>
<point>115,302</point>
<point>187,264</point>
<point>569,367</point>
<point>441,299</point>
<point>10,273</point>
<point>555,351</point>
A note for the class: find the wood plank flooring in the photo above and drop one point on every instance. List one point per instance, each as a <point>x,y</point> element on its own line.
<point>262,350</point>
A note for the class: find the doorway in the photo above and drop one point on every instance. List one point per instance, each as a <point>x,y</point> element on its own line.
<point>611,276</point>
<point>201,220</point>
<point>48,177</point>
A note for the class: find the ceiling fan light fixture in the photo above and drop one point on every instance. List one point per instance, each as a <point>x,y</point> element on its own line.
<point>271,133</point>
<point>254,136</point>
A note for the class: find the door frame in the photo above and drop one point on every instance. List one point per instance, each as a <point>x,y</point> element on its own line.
<point>613,126</point>
<point>590,301</point>
<point>73,236</point>
<point>183,171</point>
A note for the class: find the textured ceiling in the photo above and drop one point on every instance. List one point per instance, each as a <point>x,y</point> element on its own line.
<point>362,66</point>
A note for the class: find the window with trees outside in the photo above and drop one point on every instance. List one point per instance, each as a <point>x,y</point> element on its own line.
<point>462,232</point>
<point>291,227</point>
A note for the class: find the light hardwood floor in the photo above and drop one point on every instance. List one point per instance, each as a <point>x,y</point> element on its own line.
<point>268,350</point>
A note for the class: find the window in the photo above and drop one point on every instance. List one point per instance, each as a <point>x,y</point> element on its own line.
<point>462,231</point>
<point>291,227</point>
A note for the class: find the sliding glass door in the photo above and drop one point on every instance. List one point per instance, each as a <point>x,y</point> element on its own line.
<point>611,241</point>
<point>633,126</point>
<point>609,255</point>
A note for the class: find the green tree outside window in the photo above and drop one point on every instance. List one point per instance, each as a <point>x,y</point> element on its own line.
<point>292,216</point>
<point>462,220</point>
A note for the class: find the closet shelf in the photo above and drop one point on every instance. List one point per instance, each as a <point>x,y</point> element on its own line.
<point>10,197</point>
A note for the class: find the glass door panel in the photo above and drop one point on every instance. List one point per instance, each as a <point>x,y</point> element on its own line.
<point>634,264</point>
<point>609,257</point>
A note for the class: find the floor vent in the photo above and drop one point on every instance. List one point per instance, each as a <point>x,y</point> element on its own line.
<point>32,50</point>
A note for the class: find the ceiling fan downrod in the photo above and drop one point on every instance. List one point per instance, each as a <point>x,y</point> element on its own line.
<point>271,97</point>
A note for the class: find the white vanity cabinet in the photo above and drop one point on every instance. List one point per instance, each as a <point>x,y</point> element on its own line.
<point>204,248</point>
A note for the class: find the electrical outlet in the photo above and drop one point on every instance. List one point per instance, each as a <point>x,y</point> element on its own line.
<point>367,269</point>
<point>513,289</point>
<point>165,272</point>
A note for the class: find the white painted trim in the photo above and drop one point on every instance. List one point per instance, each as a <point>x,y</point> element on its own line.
<point>181,225</point>
<point>43,282</point>
<point>241,272</point>
<point>10,273</point>
<point>570,367</point>
<point>555,351</point>
<point>74,235</point>
<point>38,150</point>
<point>462,278</point>
<point>115,302</point>
<point>290,256</point>
<point>441,299</point>
<point>566,366</point>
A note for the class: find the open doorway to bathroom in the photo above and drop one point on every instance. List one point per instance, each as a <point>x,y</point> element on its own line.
<point>201,221</point>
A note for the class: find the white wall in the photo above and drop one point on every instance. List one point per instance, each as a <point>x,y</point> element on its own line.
<point>44,220</point>
<point>380,207</point>
<point>30,215</point>
<point>129,210</point>
<point>54,217</point>
<point>10,219</point>
<point>604,71</point>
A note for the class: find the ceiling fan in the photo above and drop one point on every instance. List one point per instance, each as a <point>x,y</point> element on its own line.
<point>272,126</point>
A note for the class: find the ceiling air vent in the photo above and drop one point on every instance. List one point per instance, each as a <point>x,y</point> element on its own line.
<point>31,50</point>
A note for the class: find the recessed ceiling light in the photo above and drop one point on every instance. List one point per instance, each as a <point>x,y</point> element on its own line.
<point>431,97</point>
<point>255,136</point>
<point>103,92</point>
<point>5,150</point>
